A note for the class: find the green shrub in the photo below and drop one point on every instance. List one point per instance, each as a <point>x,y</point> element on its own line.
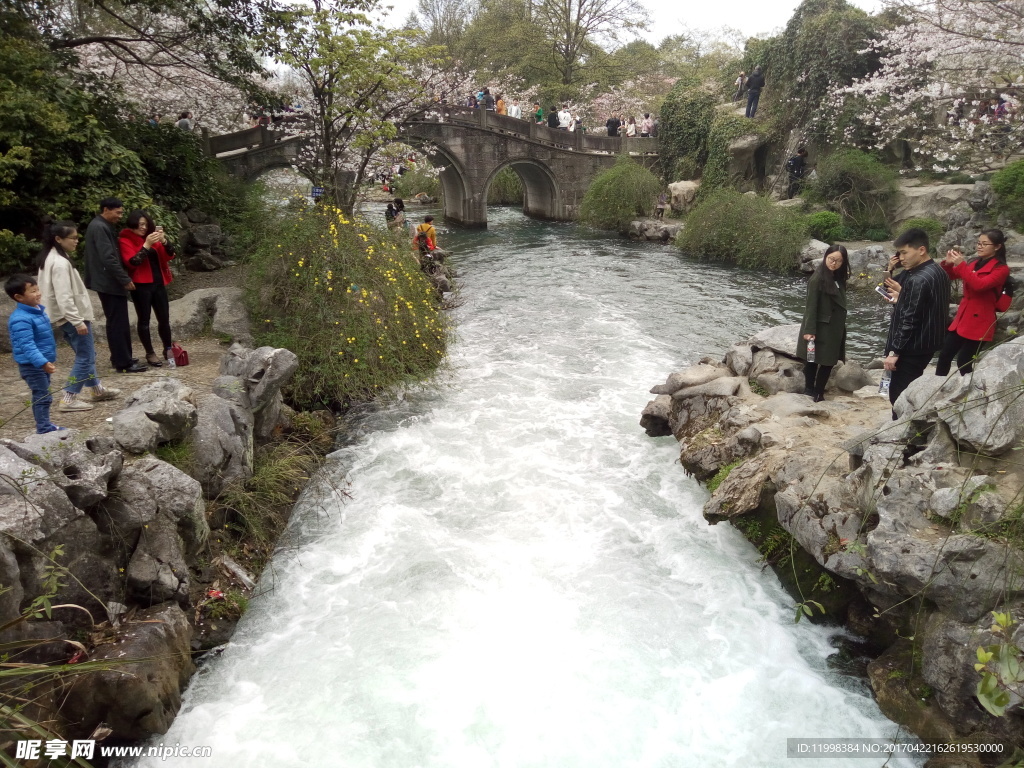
<point>506,188</point>
<point>935,229</point>
<point>745,230</point>
<point>686,169</point>
<point>827,226</point>
<point>619,195</point>
<point>350,302</point>
<point>857,186</point>
<point>419,178</point>
<point>1008,184</point>
<point>686,118</point>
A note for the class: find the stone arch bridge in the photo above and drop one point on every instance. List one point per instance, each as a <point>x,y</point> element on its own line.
<point>470,146</point>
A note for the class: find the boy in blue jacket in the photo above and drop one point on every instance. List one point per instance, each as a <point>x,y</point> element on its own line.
<point>35,349</point>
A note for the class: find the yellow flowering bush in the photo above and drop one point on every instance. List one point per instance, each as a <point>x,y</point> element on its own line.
<point>350,302</point>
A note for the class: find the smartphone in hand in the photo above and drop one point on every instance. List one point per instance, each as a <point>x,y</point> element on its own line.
<point>883,293</point>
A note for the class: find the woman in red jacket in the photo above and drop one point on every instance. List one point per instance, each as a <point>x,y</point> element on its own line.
<point>975,321</point>
<point>145,253</point>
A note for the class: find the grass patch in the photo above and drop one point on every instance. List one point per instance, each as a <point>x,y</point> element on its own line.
<point>351,302</point>
<point>745,230</point>
<point>177,454</point>
<point>721,474</point>
<point>857,186</point>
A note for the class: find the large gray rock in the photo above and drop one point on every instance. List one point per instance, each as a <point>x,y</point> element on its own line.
<point>931,201</point>
<point>986,415</point>
<point>222,310</point>
<point>683,195</point>
<point>140,698</point>
<point>850,376</point>
<point>174,494</point>
<point>873,258</point>
<point>654,418</point>
<point>780,338</point>
<point>744,173</point>
<point>32,506</point>
<point>222,445</point>
<point>160,412</point>
<point>689,377</point>
<point>787,378</point>
<point>83,475</point>
<point>157,571</point>
<point>739,358</point>
<point>812,252</point>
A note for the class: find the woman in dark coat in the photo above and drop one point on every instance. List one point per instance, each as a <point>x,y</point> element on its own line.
<point>975,321</point>
<point>825,321</point>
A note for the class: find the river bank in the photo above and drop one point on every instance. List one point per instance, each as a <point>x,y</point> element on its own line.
<point>906,532</point>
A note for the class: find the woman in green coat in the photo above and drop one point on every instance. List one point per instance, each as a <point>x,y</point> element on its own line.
<point>824,321</point>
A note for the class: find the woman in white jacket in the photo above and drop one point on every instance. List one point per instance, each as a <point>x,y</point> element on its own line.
<point>67,304</point>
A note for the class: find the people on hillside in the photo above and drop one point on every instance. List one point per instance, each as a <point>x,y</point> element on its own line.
<point>738,84</point>
<point>796,167</point>
<point>613,124</point>
<point>105,274</point>
<point>631,127</point>
<point>754,85</point>
<point>146,254</point>
<point>515,110</point>
<point>822,341</point>
<point>646,126</point>
<point>33,347</point>
<point>917,328</point>
<point>70,311</point>
<point>975,320</point>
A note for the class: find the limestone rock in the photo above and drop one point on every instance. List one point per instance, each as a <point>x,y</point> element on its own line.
<point>740,492</point>
<point>157,570</point>
<point>689,377</point>
<point>927,201</point>
<point>739,358</point>
<point>157,413</point>
<point>83,475</point>
<point>993,422</point>
<point>850,376</point>
<point>780,338</point>
<point>232,389</point>
<point>138,699</point>
<point>788,378</point>
<point>743,167</point>
<point>222,445</point>
<point>683,195</point>
<point>220,309</point>
<point>719,387</point>
<point>33,507</point>
<point>873,258</point>
<point>654,418</point>
<point>267,370</point>
<point>177,496</point>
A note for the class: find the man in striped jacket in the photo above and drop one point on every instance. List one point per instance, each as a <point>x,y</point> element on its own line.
<point>921,314</point>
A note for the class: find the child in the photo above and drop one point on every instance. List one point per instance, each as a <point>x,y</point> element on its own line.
<point>35,350</point>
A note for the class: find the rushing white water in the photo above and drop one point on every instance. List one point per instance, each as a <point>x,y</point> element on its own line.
<point>521,577</point>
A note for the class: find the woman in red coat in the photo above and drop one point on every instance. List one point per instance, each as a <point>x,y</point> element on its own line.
<point>145,253</point>
<point>975,321</point>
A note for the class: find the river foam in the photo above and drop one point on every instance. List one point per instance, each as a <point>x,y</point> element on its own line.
<point>521,577</point>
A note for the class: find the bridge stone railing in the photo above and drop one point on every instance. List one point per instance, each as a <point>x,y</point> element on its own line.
<point>573,141</point>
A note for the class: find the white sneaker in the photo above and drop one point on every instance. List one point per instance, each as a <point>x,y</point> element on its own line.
<point>74,405</point>
<point>108,394</point>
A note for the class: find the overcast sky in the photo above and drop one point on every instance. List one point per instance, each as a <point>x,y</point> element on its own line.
<point>669,17</point>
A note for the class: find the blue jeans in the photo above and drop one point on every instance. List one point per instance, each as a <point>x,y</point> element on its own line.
<point>752,98</point>
<point>39,383</point>
<point>83,372</point>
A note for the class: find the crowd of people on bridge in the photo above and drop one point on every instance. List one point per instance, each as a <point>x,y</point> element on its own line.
<point>918,289</point>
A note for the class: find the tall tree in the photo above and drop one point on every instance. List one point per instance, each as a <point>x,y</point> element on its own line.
<point>444,21</point>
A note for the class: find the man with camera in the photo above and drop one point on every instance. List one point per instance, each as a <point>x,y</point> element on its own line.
<point>919,319</point>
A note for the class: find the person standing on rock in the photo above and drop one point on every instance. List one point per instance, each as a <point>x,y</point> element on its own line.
<point>105,274</point>
<point>918,325</point>
<point>754,85</point>
<point>146,253</point>
<point>796,167</point>
<point>824,323</point>
<point>975,321</point>
<point>68,306</point>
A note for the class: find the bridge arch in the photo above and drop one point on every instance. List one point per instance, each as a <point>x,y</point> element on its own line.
<point>541,196</point>
<point>458,200</point>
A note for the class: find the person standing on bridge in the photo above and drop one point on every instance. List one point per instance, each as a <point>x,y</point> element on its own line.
<point>613,125</point>
<point>499,106</point>
<point>538,113</point>
<point>631,128</point>
<point>553,117</point>
<point>515,110</point>
<point>646,126</point>
<point>564,118</point>
<point>488,100</point>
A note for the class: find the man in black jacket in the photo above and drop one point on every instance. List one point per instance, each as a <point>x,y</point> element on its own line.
<point>105,274</point>
<point>754,85</point>
<point>921,314</point>
<point>613,126</point>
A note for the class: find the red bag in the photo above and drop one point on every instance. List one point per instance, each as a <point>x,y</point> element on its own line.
<point>179,354</point>
<point>1003,302</point>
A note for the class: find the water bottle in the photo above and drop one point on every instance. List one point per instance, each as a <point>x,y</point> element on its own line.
<point>883,386</point>
<point>810,350</point>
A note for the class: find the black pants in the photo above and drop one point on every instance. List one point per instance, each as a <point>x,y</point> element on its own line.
<point>816,377</point>
<point>794,187</point>
<point>119,329</point>
<point>152,298</point>
<point>910,366</point>
<point>964,350</point>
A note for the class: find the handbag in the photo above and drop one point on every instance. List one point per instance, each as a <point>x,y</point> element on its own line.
<point>179,355</point>
<point>1005,298</point>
